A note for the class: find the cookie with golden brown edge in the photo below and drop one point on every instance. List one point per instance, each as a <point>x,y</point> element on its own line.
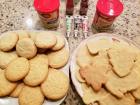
<point>17,90</point>
<point>58,59</point>
<point>83,57</point>
<point>105,98</point>
<point>112,100</point>
<point>17,69</point>
<point>122,60</point>
<point>119,86</point>
<point>77,74</point>
<point>33,34</point>
<point>101,59</point>
<point>38,70</point>
<point>136,93</point>
<point>90,96</point>
<point>6,58</point>
<point>22,34</point>
<point>94,76</point>
<point>56,85</point>
<point>6,87</point>
<point>123,45</point>
<point>26,48</point>
<point>31,96</point>
<point>94,46</point>
<point>8,41</point>
<point>60,42</point>
<point>45,40</point>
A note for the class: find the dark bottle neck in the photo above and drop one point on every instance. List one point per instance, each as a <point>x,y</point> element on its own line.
<point>70,4</point>
<point>69,7</point>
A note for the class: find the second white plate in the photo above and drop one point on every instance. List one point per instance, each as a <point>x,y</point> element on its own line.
<point>111,37</point>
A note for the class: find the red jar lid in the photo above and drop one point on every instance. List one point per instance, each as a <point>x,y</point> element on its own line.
<point>46,6</point>
<point>111,8</point>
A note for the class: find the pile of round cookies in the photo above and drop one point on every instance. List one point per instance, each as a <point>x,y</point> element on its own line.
<point>30,64</point>
<point>108,72</point>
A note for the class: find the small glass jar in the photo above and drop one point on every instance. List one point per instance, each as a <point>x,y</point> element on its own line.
<point>106,13</point>
<point>48,11</point>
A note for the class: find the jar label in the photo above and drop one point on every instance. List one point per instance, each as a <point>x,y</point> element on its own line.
<point>102,22</point>
<point>50,19</point>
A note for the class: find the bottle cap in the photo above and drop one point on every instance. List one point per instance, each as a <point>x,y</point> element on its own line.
<point>46,6</point>
<point>111,8</point>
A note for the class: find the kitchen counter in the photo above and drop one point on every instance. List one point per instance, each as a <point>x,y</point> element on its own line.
<point>20,14</point>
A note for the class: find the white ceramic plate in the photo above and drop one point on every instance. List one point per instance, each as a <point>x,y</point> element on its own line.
<point>111,37</point>
<point>14,101</point>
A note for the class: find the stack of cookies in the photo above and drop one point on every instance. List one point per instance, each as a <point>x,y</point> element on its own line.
<point>30,64</point>
<point>109,72</point>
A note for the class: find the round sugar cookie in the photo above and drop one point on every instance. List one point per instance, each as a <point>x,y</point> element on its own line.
<point>8,41</point>
<point>22,34</point>
<point>58,58</point>
<point>60,43</point>
<point>6,87</point>
<point>17,69</point>
<point>17,90</point>
<point>26,48</point>
<point>38,70</point>
<point>56,85</point>
<point>6,58</point>
<point>45,40</point>
<point>33,35</point>
<point>31,96</point>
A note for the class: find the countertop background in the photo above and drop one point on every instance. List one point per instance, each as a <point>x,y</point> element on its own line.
<point>20,14</point>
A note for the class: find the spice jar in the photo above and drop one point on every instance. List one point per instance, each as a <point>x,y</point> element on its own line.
<point>106,13</point>
<point>48,11</point>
